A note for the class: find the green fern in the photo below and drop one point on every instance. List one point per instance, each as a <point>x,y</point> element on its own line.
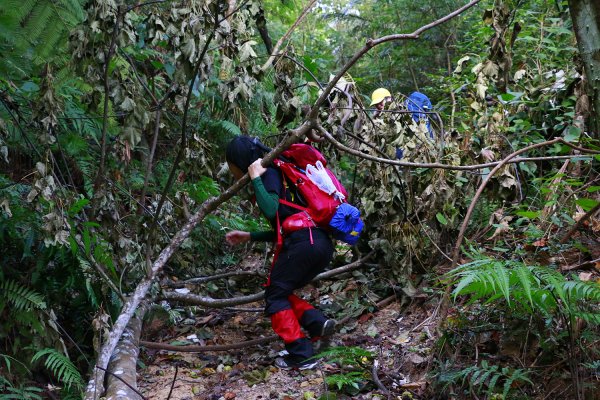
<point>60,366</point>
<point>485,376</point>
<point>20,297</point>
<point>22,393</point>
<point>533,288</point>
<point>34,32</point>
<point>226,126</point>
<point>354,363</point>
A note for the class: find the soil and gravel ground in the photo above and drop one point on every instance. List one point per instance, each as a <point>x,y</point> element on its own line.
<point>395,334</point>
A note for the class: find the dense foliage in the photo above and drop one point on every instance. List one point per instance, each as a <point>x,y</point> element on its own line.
<point>112,128</point>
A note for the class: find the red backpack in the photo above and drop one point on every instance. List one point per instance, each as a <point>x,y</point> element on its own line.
<point>324,210</point>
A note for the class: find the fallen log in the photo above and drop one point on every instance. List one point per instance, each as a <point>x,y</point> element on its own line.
<point>121,383</point>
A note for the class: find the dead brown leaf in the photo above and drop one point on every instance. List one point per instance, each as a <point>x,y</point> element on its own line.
<point>364,318</point>
<point>585,276</point>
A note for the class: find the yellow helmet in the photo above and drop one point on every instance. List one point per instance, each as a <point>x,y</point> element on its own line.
<point>379,95</point>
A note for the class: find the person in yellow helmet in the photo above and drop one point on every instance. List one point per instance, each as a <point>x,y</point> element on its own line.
<point>379,98</point>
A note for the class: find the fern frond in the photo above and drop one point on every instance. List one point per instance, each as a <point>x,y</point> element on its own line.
<point>60,366</point>
<point>592,318</point>
<point>579,290</point>
<point>21,297</point>
<point>524,276</point>
<point>227,126</point>
<point>514,376</point>
<point>22,393</point>
<point>71,10</point>
<point>44,48</point>
<point>18,10</point>
<point>37,22</point>
<point>34,32</point>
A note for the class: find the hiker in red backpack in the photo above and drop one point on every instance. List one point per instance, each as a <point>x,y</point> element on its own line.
<point>303,254</point>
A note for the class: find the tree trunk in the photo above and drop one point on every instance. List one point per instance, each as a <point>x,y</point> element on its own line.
<point>586,24</point>
<point>124,360</point>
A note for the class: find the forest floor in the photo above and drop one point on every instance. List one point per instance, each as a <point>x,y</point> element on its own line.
<point>398,335</point>
<point>397,331</point>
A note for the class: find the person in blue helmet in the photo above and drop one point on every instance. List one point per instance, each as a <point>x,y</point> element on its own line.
<point>419,104</point>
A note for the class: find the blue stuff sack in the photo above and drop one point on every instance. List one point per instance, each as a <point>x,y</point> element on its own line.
<point>346,224</point>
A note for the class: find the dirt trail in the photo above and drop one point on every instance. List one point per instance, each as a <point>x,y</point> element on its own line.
<point>249,373</point>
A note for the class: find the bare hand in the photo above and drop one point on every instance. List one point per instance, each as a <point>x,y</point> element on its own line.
<point>237,237</point>
<point>256,169</point>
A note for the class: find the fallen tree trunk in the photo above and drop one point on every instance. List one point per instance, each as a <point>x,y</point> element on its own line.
<point>121,383</point>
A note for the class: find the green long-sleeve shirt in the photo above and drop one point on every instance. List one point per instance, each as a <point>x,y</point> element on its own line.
<point>268,203</point>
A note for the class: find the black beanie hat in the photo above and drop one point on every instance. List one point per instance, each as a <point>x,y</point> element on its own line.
<point>243,151</point>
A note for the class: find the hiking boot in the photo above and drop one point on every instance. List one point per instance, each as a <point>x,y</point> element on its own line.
<point>287,363</point>
<point>328,328</point>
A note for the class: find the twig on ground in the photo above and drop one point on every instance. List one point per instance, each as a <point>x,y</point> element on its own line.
<point>376,379</point>
<point>204,279</point>
<point>583,265</point>
<point>174,380</point>
<point>202,349</point>
<point>578,224</point>
<point>198,300</point>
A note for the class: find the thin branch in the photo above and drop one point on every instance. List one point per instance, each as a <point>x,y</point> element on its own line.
<point>151,156</point>
<point>173,382</point>
<point>406,164</point>
<point>345,268</point>
<point>578,224</point>
<point>274,54</point>
<point>183,143</point>
<point>122,380</point>
<point>107,57</point>
<point>308,71</point>
<point>190,298</point>
<point>484,183</point>
<point>202,349</point>
<point>197,300</point>
<point>139,78</point>
<point>182,147</point>
<point>376,379</point>
<point>238,8</point>
<point>100,269</point>
<point>583,265</point>
<point>204,279</point>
